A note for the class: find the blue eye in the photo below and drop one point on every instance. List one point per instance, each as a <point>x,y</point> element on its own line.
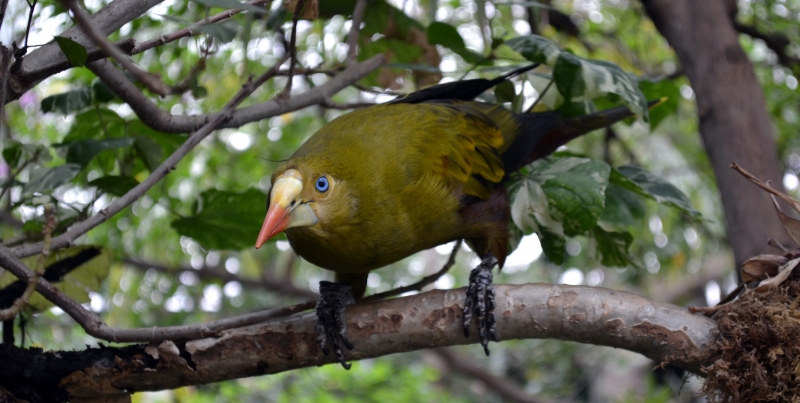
<point>322,184</point>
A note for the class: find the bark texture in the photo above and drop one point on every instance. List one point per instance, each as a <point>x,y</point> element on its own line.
<point>662,332</point>
<point>734,122</point>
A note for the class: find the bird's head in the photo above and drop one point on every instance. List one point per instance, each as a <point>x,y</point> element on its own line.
<point>299,198</point>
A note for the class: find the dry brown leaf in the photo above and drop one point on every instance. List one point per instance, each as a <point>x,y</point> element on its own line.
<point>791,225</point>
<point>784,273</point>
<point>762,267</point>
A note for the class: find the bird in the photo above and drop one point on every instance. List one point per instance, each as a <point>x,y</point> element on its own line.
<point>381,183</point>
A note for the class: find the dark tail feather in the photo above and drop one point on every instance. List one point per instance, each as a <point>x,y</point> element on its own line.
<point>532,127</point>
<point>566,130</point>
<point>465,90</point>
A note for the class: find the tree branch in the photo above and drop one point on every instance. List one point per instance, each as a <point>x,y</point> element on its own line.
<point>19,303</point>
<point>505,388</point>
<point>160,120</point>
<point>419,285</point>
<point>352,37</point>
<point>777,42</point>
<point>49,59</point>
<point>94,326</point>
<point>432,319</point>
<point>192,29</point>
<point>152,82</point>
<point>221,119</point>
<point>215,273</point>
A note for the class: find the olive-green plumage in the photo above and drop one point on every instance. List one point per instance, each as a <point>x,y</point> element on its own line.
<point>381,183</point>
<point>400,175</point>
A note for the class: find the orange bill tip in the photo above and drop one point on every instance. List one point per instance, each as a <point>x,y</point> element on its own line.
<point>276,221</point>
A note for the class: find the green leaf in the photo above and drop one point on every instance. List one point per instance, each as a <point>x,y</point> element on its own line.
<point>447,35</point>
<point>114,185</point>
<point>222,31</point>
<point>575,189</point>
<point>74,51</point>
<point>276,18</point>
<point>102,93</point>
<point>224,220</point>
<point>68,102</point>
<point>96,124</point>
<point>530,213</point>
<point>232,5</point>
<point>580,79</point>
<point>153,146</point>
<point>82,152</point>
<point>12,154</point>
<point>505,92</point>
<point>198,91</point>
<point>623,209</point>
<point>646,184</point>
<point>149,151</point>
<point>50,178</point>
<point>611,248</point>
<point>536,48</point>
<point>661,89</point>
<point>77,284</point>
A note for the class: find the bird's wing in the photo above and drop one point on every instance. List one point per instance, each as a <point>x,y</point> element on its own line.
<point>475,141</point>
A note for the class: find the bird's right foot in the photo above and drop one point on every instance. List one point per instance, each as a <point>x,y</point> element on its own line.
<point>480,301</point>
<point>331,324</point>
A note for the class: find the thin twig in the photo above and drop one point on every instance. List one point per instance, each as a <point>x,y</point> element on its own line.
<point>505,388</point>
<point>536,102</point>
<point>95,326</point>
<point>151,81</point>
<point>422,283</point>
<point>207,272</point>
<point>23,300</point>
<point>192,30</point>
<point>12,177</point>
<point>293,49</point>
<point>352,37</point>
<point>31,7</point>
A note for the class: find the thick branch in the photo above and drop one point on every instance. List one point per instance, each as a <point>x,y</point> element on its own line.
<point>432,319</point>
<point>163,121</point>
<point>48,59</point>
<point>777,42</point>
<point>152,82</point>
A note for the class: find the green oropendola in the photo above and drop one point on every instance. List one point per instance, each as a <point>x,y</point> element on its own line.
<point>383,182</point>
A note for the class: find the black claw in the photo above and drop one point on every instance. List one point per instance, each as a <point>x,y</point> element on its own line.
<point>481,300</point>
<point>331,324</point>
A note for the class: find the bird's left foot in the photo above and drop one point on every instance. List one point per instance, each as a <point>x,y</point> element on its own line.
<point>331,325</point>
<point>480,300</point>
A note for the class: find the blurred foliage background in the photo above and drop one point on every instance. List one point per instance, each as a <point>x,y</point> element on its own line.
<point>156,276</point>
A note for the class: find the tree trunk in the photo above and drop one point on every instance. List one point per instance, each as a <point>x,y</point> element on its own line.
<point>734,122</point>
